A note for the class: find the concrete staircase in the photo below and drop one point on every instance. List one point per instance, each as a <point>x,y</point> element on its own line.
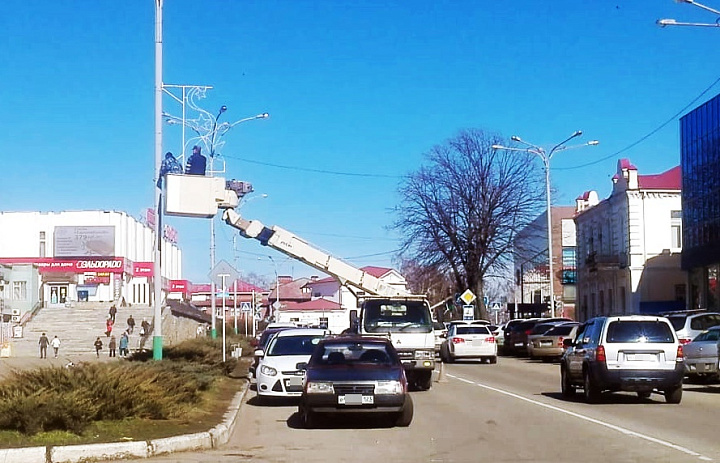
<point>77,326</point>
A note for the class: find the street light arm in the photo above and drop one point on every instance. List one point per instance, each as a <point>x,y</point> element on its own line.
<point>561,146</point>
<point>700,5</point>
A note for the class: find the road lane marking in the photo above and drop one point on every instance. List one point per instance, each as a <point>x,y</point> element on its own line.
<point>588,419</point>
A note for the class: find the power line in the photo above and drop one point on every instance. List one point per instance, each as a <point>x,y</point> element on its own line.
<point>317,171</point>
<point>642,139</point>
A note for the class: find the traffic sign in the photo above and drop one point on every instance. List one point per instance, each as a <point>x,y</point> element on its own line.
<point>468,312</point>
<point>495,306</point>
<point>245,307</point>
<point>468,296</point>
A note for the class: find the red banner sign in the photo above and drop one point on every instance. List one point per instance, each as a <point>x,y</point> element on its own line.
<point>81,266</point>
<point>143,269</point>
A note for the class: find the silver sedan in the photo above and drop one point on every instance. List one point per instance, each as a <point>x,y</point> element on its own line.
<point>701,355</point>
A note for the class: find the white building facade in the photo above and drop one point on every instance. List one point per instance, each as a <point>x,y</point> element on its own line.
<point>53,258</point>
<point>629,246</point>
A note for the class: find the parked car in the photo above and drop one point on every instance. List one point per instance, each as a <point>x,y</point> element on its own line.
<point>538,330</point>
<point>439,331</point>
<point>507,331</point>
<point>701,355</point>
<point>355,374</point>
<point>278,373</point>
<point>469,341</point>
<point>500,337</point>
<point>261,344</point>
<point>549,346</point>
<point>520,332</point>
<point>638,353</point>
<point>689,324</point>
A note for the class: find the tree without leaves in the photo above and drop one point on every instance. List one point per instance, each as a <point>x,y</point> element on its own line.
<point>461,211</point>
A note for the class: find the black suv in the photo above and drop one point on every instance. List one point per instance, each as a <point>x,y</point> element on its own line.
<point>355,374</point>
<point>639,353</point>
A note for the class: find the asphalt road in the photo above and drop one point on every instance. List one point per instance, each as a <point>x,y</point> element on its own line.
<point>509,412</point>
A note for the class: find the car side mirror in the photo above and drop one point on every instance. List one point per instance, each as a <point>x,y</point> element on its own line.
<point>301,366</point>
<point>259,353</point>
<point>567,343</point>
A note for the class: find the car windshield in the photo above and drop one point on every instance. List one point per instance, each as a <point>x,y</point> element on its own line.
<point>636,331</point>
<point>396,316</point>
<point>294,345</point>
<point>710,335</point>
<point>472,330</point>
<point>354,352</point>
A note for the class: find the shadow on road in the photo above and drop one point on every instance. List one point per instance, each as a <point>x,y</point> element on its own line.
<point>348,421</point>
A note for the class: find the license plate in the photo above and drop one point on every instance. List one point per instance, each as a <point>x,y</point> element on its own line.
<point>356,399</point>
<point>640,357</point>
<point>296,381</point>
<point>519,344</point>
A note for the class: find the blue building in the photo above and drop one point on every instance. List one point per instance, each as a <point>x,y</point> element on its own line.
<point>700,160</point>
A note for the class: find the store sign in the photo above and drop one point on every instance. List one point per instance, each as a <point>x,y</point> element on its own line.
<point>143,269</point>
<point>83,265</point>
<point>97,278</point>
<point>179,286</point>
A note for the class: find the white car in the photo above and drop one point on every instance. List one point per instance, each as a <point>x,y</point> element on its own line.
<point>279,373</point>
<point>469,341</point>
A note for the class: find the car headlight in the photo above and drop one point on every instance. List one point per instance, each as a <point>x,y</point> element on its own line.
<point>389,388</point>
<point>316,387</point>
<point>268,371</point>
<point>424,354</point>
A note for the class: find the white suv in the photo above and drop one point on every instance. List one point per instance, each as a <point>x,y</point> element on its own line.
<point>638,353</point>
<point>689,324</point>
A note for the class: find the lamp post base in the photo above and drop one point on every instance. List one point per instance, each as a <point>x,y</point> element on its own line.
<point>157,347</point>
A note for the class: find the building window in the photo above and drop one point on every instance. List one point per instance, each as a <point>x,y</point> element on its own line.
<point>42,244</point>
<point>676,229</point>
<point>19,291</point>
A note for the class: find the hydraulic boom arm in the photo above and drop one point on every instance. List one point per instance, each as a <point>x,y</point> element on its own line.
<point>293,246</point>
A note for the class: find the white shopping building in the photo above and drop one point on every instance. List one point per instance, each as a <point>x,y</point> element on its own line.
<point>54,258</point>
<point>629,245</point>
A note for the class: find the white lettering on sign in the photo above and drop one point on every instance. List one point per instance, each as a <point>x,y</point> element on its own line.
<point>82,264</point>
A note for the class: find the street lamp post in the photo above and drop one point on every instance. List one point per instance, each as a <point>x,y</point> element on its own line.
<point>546,156</point>
<point>672,22</point>
<point>277,288</point>
<point>157,276</point>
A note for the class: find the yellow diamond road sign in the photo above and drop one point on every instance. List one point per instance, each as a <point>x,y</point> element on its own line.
<point>467,296</point>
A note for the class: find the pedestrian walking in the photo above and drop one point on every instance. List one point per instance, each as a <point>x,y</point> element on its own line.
<point>98,346</point>
<point>109,326</point>
<point>131,324</point>
<point>112,312</point>
<point>43,342</point>
<point>124,340</point>
<point>112,345</point>
<point>144,327</point>
<point>55,343</point>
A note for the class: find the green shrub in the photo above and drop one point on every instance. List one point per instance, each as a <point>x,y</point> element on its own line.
<point>50,398</point>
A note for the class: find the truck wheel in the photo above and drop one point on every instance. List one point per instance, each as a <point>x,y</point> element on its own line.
<point>424,380</point>
<point>674,395</point>
<point>405,417</point>
<point>493,359</point>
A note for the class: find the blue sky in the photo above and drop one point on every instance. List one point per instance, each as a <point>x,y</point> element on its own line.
<point>356,91</point>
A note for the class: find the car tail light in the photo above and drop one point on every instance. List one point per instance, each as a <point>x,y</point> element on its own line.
<point>600,354</point>
<point>527,332</point>
<point>680,354</point>
<point>684,340</point>
<point>458,340</point>
<point>490,339</point>
<point>560,341</point>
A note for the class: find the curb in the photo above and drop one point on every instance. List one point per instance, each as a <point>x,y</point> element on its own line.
<point>215,437</point>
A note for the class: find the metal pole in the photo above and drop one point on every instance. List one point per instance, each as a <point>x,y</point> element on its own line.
<point>213,326</point>
<point>223,276</point>
<point>235,310</point>
<point>157,273</point>
<point>546,161</point>
<point>253,309</point>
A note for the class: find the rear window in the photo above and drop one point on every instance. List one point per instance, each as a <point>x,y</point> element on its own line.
<point>294,345</point>
<point>472,330</point>
<point>560,330</point>
<point>542,327</point>
<point>678,322</point>
<point>704,322</point>
<point>712,335</point>
<point>636,331</point>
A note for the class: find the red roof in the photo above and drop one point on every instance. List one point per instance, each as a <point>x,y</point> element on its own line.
<point>626,164</point>
<point>315,305</point>
<point>668,180</point>
<point>584,196</point>
<point>242,287</point>
<point>377,272</point>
